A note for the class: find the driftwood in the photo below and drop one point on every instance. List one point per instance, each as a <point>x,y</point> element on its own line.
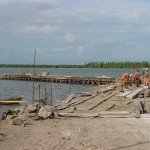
<point>82,115</point>
<point>101,101</point>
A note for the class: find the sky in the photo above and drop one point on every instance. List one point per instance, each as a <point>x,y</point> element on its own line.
<point>74,31</point>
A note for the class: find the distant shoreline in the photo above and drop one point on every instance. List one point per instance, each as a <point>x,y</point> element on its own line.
<point>131,65</point>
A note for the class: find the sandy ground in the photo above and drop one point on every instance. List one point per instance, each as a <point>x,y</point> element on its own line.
<point>80,133</point>
<point>77,134</point>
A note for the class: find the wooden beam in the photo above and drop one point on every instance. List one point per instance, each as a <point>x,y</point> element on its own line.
<point>77,102</point>
<point>110,106</point>
<point>134,94</point>
<point>69,98</point>
<point>114,113</point>
<point>101,101</point>
<point>109,88</point>
<point>80,115</point>
<point>125,94</point>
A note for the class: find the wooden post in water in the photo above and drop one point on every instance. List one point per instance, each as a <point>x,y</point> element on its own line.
<point>34,75</point>
<point>45,95</point>
<point>39,91</point>
<point>51,95</point>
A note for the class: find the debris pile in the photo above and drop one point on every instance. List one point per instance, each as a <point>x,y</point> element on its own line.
<point>35,111</point>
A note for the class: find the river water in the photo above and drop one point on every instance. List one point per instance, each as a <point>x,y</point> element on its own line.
<point>9,88</point>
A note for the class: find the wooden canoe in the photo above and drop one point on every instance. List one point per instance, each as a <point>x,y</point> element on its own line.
<point>11,102</point>
<point>13,99</point>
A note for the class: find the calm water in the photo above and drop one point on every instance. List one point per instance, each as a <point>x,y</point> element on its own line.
<point>60,91</point>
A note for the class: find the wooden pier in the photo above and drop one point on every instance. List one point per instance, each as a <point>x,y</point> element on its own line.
<point>59,79</point>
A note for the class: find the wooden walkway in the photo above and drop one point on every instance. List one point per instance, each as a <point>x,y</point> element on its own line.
<point>59,79</point>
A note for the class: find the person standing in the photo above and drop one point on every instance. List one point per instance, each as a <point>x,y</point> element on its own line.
<point>146,77</point>
<point>137,77</point>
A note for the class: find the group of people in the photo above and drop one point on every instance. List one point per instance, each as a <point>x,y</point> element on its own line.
<point>136,78</point>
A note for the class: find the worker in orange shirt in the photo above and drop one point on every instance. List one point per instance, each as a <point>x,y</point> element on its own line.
<point>124,79</point>
<point>137,77</point>
<point>146,77</point>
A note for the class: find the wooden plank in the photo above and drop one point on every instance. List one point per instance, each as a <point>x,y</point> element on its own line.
<point>101,101</point>
<point>80,115</point>
<point>89,115</point>
<point>128,102</point>
<point>109,107</point>
<point>134,94</point>
<point>69,98</point>
<point>145,115</point>
<point>125,94</point>
<point>116,116</point>
<point>107,89</point>
<point>76,102</point>
<point>114,113</point>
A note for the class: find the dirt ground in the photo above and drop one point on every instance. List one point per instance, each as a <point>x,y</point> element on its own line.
<point>77,134</point>
<point>81,133</point>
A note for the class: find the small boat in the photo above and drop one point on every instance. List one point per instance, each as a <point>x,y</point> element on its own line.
<point>10,101</point>
<point>13,99</point>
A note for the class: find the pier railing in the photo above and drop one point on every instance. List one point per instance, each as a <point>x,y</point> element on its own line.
<point>59,79</point>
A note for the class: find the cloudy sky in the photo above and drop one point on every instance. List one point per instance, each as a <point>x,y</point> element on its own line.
<point>74,31</point>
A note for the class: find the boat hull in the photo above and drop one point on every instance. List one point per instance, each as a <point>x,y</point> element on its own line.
<point>9,102</point>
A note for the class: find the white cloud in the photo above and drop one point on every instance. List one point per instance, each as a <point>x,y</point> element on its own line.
<point>30,29</point>
<point>76,28</point>
<point>70,37</point>
<point>29,2</point>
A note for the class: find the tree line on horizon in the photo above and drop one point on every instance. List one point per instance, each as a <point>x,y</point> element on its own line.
<point>113,64</point>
